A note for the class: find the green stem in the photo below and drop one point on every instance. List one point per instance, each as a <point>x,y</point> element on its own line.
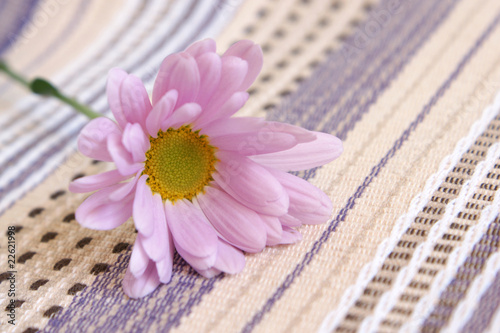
<point>76,105</point>
<point>43,87</point>
<point>16,77</point>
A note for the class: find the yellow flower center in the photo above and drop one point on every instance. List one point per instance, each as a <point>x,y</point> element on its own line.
<point>179,163</point>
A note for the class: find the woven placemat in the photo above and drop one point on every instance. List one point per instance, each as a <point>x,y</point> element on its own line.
<point>411,87</point>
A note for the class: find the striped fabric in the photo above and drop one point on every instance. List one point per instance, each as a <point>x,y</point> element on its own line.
<point>411,87</point>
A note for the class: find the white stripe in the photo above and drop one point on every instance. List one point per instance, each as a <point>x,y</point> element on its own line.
<point>335,317</point>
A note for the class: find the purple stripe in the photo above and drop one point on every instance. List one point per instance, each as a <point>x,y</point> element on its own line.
<point>49,49</point>
<point>113,296</point>
<point>2,14</point>
<point>102,281</point>
<point>61,38</point>
<point>485,309</point>
<point>333,79</point>
<point>5,41</point>
<point>390,47</point>
<point>374,84</point>
<point>459,286</point>
<point>424,28</point>
<point>368,180</point>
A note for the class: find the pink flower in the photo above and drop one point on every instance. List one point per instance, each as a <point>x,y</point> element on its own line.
<point>194,179</point>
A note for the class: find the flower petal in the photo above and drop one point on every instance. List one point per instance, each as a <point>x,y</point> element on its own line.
<point>250,184</point>
<point>252,54</point>
<point>255,143</point>
<point>230,107</point>
<point>201,47</point>
<point>301,134</point>
<point>290,236</point>
<point>135,141</point>
<point>135,100</point>
<point>290,221</point>
<point>178,71</point>
<point>208,273</point>
<point>190,229</point>
<point>139,259</point>
<point>96,182</point>
<point>250,136</point>
<point>157,245</point>
<point>100,213</point>
<point>209,66</point>
<point>124,189</point>
<point>160,112</point>
<point>136,287</point>
<point>233,73</point>
<point>93,138</point>
<point>186,114</point>
<point>116,76</point>
<point>229,259</point>
<point>237,224</point>
<point>196,262</point>
<point>307,202</point>
<point>143,208</point>
<point>122,157</point>
<point>304,156</point>
<point>226,126</point>
<point>273,228</point>
<point>165,265</point>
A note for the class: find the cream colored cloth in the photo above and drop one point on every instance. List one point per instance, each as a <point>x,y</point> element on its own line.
<point>411,87</point>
